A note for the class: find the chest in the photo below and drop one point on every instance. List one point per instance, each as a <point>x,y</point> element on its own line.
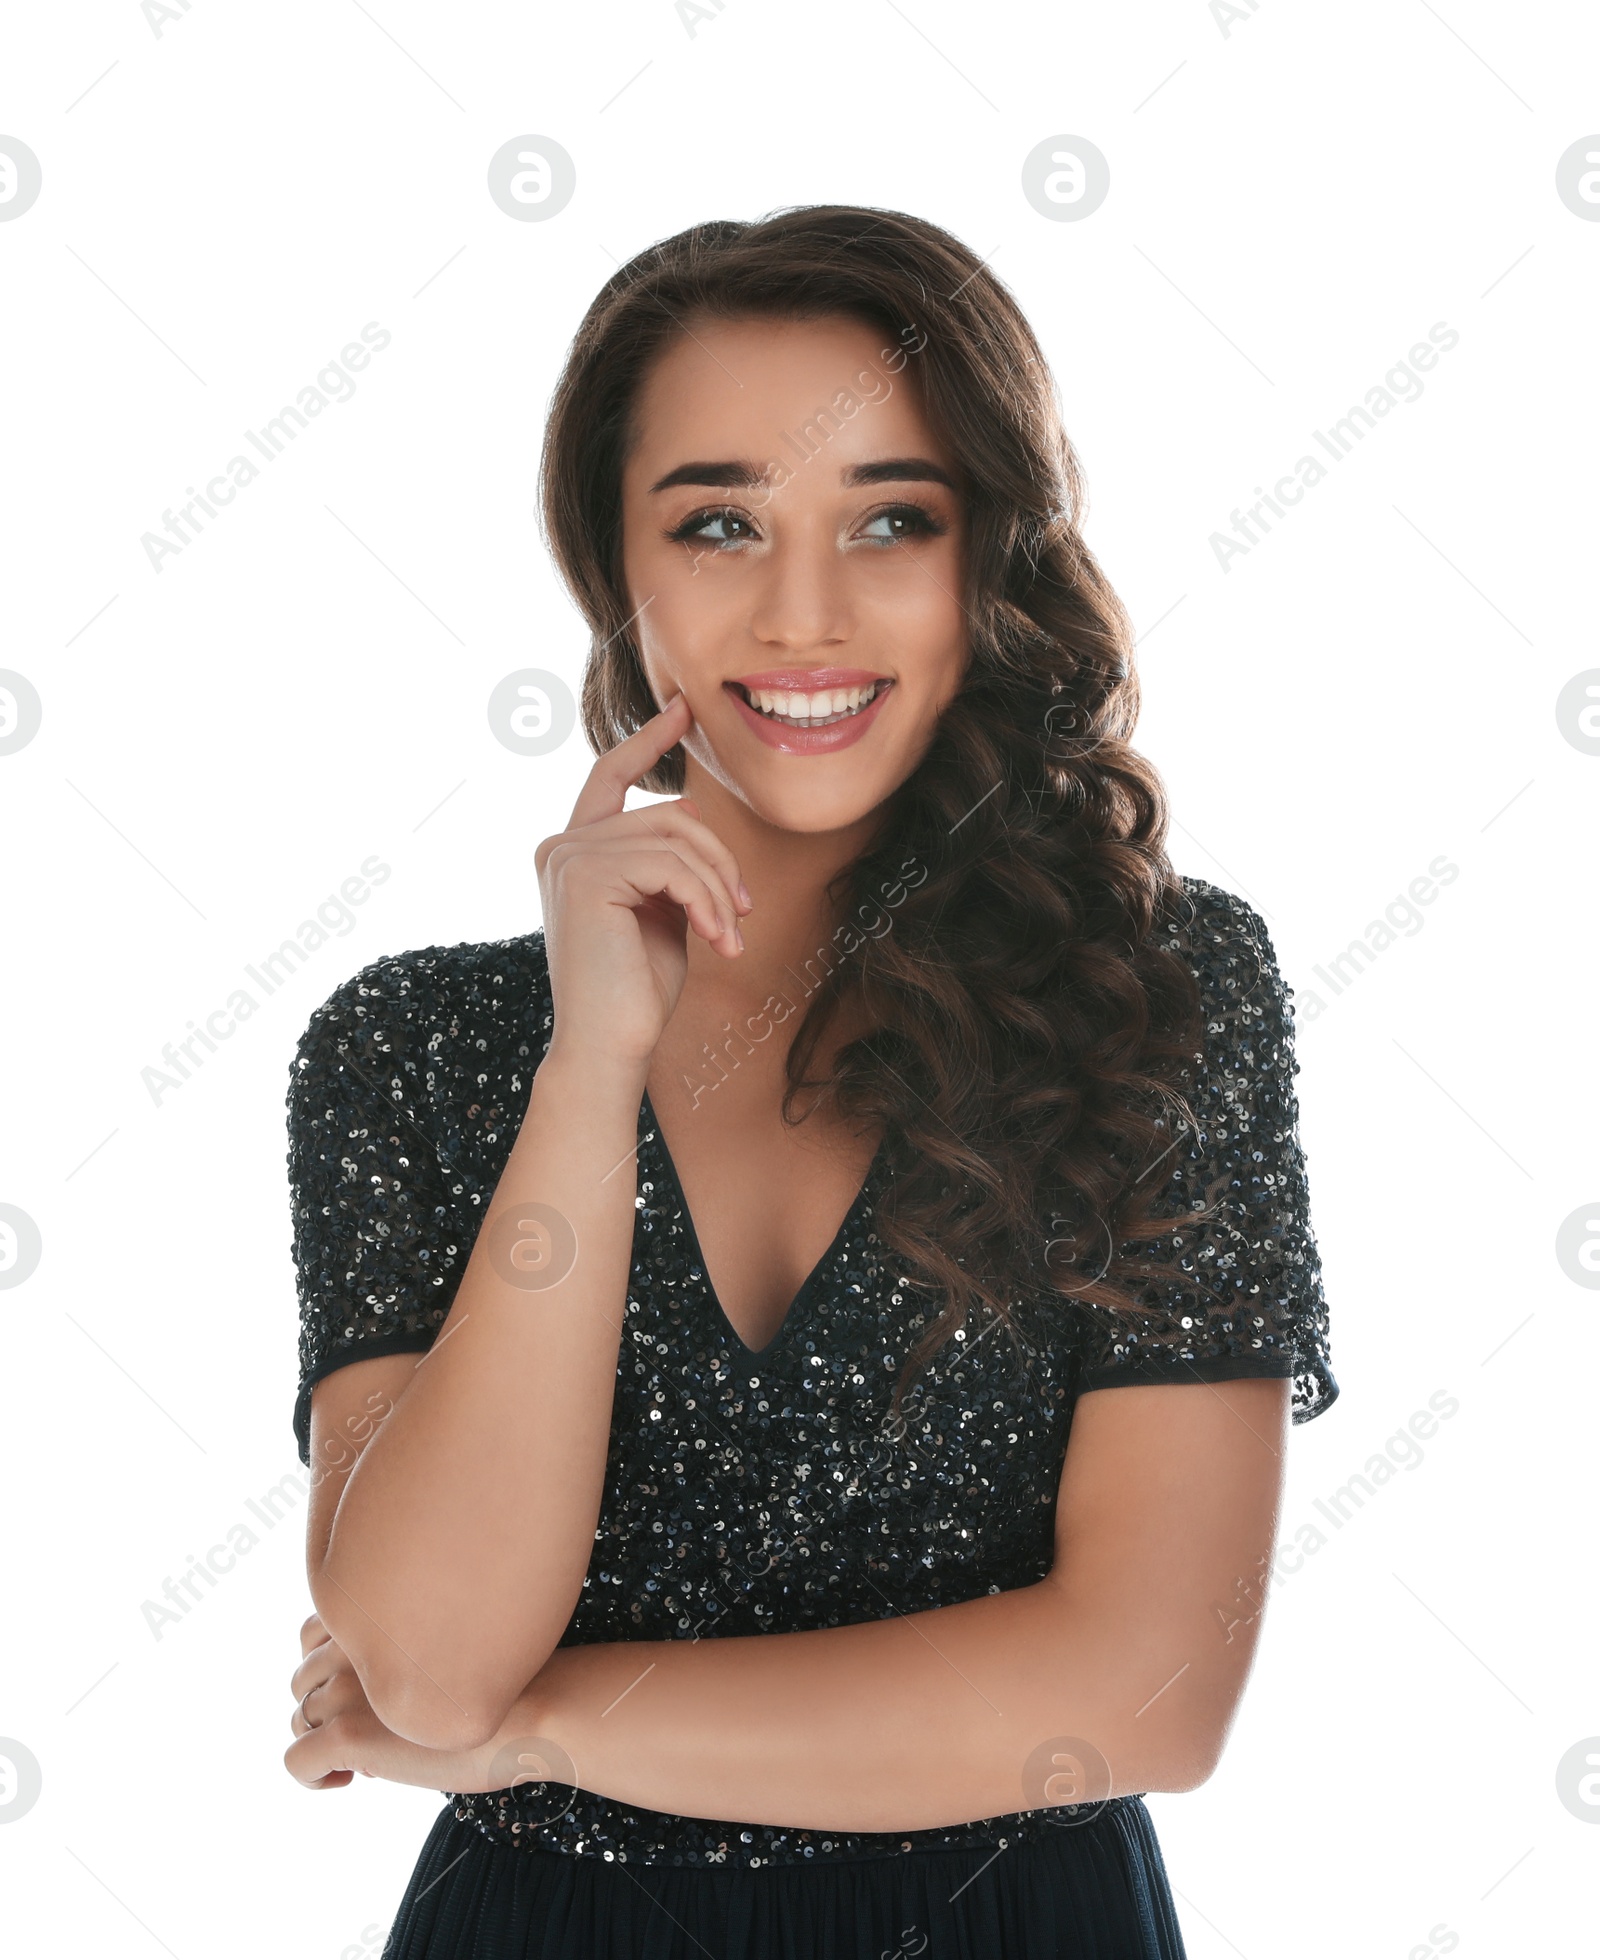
<point>765,1200</point>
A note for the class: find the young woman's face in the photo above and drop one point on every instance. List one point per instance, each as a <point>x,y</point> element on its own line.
<point>794,550</point>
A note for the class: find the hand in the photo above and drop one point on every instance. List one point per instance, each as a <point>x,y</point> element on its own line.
<point>620,890</point>
<point>338,1736</point>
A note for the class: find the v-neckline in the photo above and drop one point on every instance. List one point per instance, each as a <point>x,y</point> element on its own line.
<point>791,1313</point>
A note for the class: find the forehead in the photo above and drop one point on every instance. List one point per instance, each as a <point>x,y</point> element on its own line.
<point>733,388</point>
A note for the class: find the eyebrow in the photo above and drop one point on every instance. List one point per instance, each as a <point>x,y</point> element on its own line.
<point>745,476</point>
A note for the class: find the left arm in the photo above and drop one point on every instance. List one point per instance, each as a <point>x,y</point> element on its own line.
<point>1138,1643</point>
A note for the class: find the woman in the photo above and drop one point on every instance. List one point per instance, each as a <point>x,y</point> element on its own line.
<point>797,1354</point>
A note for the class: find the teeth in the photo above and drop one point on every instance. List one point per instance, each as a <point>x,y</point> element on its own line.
<point>810,710</point>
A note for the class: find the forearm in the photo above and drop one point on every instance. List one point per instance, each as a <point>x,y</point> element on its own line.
<point>905,1723</point>
<point>462,1536</point>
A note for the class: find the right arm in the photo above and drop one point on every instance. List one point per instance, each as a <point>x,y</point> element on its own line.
<point>447,1553</point>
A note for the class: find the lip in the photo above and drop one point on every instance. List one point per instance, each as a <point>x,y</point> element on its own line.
<point>809,680</point>
<point>811,741</point>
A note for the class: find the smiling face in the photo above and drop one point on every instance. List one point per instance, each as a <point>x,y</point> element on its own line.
<point>794,548</point>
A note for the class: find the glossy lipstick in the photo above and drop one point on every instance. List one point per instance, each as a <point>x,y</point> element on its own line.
<point>809,680</point>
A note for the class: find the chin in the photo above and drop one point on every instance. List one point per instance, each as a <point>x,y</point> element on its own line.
<point>810,811</point>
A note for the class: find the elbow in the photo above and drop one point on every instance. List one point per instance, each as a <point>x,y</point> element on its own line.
<point>1189,1758</point>
<point>452,1723</point>
<point>442,1708</point>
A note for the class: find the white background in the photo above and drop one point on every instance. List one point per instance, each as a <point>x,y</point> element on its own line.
<point>1294,203</point>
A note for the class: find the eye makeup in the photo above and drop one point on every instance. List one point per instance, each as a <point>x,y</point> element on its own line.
<point>919,521</point>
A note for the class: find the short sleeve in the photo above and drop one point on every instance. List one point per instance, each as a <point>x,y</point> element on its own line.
<point>377,1239</point>
<point>1261,1310</point>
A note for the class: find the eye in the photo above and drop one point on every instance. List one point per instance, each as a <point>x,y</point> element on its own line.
<point>735,528</point>
<point>901,522</point>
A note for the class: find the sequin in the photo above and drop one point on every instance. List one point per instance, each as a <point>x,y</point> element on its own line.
<point>764,1492</point>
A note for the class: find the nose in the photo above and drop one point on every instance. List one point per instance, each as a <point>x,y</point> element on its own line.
<point>802,598</point>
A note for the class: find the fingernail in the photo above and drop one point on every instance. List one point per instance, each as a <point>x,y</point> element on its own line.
<point>744,895</point>
<point>738,935</point>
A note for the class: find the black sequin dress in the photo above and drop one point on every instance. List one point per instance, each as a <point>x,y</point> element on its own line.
<point>760,1491</point>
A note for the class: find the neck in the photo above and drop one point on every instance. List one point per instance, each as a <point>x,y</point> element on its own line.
<point>789,935</point>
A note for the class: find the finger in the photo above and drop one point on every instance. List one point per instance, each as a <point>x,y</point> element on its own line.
<point>700,849</point>
<point>318,1666</point>
<point>683,819</point>
<point>313,1761</point>
<point>668,873</point>
<point>660,872</point>
<point>693,840</point>
<point>300,1723</point>
<point>312,1634</point>
<point>615,772</point>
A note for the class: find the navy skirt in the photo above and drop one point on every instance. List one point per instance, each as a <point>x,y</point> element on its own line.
<point>1098,1891</point>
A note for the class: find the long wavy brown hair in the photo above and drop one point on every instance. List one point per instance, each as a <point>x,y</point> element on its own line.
<point>1031,1032</point>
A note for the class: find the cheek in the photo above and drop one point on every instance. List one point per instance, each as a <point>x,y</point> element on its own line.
<point>919,609</point>
<point>688,612</point>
